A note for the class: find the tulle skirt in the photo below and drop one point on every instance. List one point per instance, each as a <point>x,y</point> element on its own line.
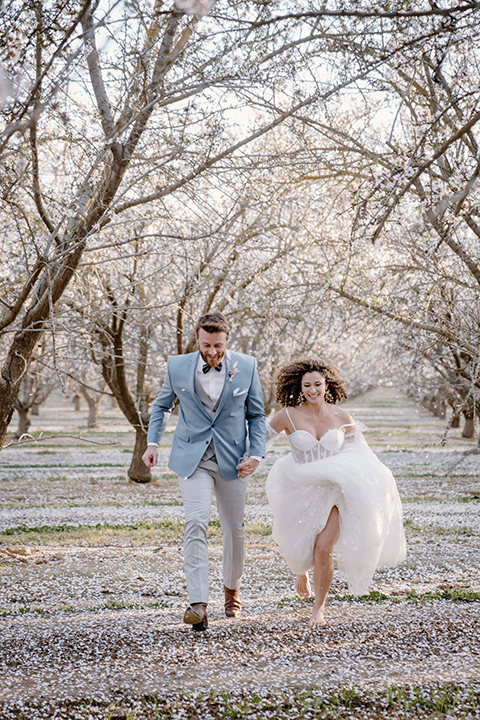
<point>363,489</point>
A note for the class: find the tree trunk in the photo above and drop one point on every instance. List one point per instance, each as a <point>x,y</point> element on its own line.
<point>469,427</point>
<point>7,406</point>
<point>23,421</point>
<point>93,412</point>
<point>138,471</point>
<point>440,406</point>
<point>455,421</point>
<point>93,407</point>
<point>77,401</point>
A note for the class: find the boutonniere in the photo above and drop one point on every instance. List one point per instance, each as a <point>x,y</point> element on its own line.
<point>233,371</point>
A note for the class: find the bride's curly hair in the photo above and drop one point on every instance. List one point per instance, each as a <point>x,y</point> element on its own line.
<point>289,381</point>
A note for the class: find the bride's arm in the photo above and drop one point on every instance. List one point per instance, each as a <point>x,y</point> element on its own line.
<point>275,427</point>
<point>279,421</point>
<point>354,431</point>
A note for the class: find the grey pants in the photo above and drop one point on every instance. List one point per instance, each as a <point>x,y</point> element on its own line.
<point>197,493</point>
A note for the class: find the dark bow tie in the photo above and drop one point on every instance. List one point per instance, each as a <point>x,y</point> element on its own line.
<point>207,367</point>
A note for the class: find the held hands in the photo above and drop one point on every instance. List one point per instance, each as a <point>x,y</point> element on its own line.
<point>247,467</point>
<point>150,456</point>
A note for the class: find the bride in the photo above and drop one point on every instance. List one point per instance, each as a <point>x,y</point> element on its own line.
<point>331,491</point>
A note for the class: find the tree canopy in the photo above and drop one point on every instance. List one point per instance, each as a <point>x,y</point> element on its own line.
<point>304,168</point>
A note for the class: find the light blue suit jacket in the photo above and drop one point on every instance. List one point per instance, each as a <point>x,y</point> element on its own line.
<point>237,426</point>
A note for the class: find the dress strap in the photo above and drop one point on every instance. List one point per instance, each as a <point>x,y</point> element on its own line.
<point>347,425</point>
<point>291,421</point>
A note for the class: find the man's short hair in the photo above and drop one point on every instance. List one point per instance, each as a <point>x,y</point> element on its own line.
<point>213,323</point>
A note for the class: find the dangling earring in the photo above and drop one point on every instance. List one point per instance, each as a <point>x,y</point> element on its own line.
<point>301,398</point>
<point>329,397</point>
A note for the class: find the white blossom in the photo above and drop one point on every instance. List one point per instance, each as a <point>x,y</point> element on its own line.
<point>200,8</point>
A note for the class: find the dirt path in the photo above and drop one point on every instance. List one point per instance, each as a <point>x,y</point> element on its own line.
<point>93,588</point>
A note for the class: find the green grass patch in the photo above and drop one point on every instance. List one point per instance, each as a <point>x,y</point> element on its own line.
<point>71,466</point>
<point>435,530</point>
<point>456,595</point>
<point>407,701</point>
<point>106,533</point>
<point>258,528</point>
<point>74,609</point>
<point>329,705</point>
<point>98,534</point>
<point>50,529</point>
<point>414,499</point>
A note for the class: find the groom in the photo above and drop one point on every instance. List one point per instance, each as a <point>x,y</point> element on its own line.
<point>218,442</point>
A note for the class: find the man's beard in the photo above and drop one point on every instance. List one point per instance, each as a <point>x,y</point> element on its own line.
<point>213,362</point>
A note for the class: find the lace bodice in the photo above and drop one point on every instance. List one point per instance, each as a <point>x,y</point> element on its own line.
<point>306,448</point>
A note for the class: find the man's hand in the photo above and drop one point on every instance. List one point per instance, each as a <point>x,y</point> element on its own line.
<point>247,467</point>
<point>150,456</point>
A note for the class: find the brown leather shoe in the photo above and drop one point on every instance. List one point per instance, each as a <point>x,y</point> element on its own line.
<point>196,616</point>
<point>233,605</point>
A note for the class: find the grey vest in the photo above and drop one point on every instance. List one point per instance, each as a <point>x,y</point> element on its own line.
<point>208,461</point>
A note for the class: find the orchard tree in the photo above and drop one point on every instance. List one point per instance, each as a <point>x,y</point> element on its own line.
<point>35,387</point>
<point>109,108</point>
<point>406,159</point>
<point>88,85</point>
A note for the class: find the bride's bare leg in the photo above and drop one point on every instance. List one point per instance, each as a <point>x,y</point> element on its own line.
<point>323,566</point>
<point>302,586</point>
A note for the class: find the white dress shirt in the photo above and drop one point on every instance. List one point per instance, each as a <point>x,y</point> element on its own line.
<point>213,380</point>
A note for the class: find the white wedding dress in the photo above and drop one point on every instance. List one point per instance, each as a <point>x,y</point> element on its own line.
<point>337,470</point>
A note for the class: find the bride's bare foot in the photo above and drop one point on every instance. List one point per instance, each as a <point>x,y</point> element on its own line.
<point>318,618</point>
<point>302,586</point>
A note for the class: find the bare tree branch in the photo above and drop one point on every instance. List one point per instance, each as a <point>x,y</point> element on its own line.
<point>98,85</point>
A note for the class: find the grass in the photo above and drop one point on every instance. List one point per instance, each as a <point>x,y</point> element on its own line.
<point>457,595</point>
<point>438,530</point>
<point>71,466</point>
<point>343,703</point>
<point>106,533</point>
<point>92,535</point>
<point>414,499</point>
<point>54,529</point>
<point>373,598</point>
<point>75,609</point>
<point>93,505</point>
